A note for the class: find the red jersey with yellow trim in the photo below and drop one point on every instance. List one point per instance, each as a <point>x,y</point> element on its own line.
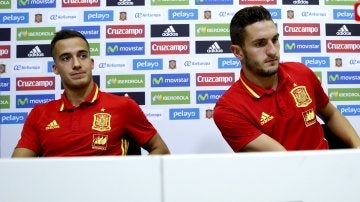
<point>96,127</point>
<point>287,114</point>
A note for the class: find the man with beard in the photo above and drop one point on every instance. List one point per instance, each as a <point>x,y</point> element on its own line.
<point>274,106</point>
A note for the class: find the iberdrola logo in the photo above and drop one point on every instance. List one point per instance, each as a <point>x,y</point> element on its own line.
<point>157,98</point>
<point>112,81</point>
<point>23,34</point>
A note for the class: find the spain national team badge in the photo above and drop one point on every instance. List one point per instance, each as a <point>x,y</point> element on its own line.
<point>301,96</point>
<point>101,122</point>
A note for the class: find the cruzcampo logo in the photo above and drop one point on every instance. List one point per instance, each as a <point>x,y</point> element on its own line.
<point>318,75</point>
<point>340,2</point>
<point>4,101</point>
<point>170,97</point>
<point>169,2</point>
<point>125,81</point>
<point>5,4</point>
<point>94,49</point>
<point>35,33</point>
<point>212,30</point>
<point>344,94</point>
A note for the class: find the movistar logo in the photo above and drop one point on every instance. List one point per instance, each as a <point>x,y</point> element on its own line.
<point>202,97</point>
<point>23,101</point>
<point>290,46</point>
<point>334,77</point>
<point>157,81</point>
<point>24,2</point>
<point>113,49</point>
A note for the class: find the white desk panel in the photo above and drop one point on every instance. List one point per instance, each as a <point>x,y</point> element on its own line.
<point>315,176</point>
<point>89,179</point>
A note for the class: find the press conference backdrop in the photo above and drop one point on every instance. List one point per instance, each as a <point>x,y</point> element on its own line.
<point>171,56</point>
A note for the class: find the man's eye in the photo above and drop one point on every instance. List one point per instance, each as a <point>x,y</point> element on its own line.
<point>65,58</point>
<point>83,56</point>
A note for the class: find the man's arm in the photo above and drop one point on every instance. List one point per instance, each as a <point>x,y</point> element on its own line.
<point>22,152</point>
<point>156,145</point>
<point>339,125</point>
<point>263,143</point>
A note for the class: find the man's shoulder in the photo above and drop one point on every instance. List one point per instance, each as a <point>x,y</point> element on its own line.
<point>296,67</point>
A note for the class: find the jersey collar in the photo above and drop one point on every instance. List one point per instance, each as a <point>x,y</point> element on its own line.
<point>94,95</point>
<point>257,91</point>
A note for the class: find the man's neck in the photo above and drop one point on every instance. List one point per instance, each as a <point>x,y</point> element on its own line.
<point>269,82</point>
<point>78,96</point>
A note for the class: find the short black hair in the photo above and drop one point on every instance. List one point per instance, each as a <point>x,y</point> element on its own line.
<point>243,18</point>
<point>66,34</point>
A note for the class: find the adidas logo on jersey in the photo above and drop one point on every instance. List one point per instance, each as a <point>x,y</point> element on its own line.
<point>215,48</point>
<point>170,31</point>
<point>36,52</point>
<point>265,118</point>
<point>52,125</point>
<point>343,31</point>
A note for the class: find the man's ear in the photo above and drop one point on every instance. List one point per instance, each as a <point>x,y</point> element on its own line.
<point>55,70</point>
<point>237,51</point>
<point>92,63</point>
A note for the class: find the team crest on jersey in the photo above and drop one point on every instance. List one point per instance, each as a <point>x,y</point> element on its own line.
<point>99,141</point>
<point>102,122</point>
<point>301,96</point>
<point>309,117</point>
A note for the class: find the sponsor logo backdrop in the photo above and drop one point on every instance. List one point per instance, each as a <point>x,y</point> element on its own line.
<point>171,56</point>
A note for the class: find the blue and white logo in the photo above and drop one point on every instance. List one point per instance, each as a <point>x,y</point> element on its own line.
<point>316,61</point>
<point>228,63</point>
<point>170,80</point>
<point>343,14</point>
<point>97,16</point>
<point>183,14</point>
<point>4,84</point>
<point>147,64</point>
<point>184,113</point>
<point>125,48</point>
<point>302,46</point>
<point>275,13</point>
<point>13,118</point>
<point>337,77</point>
<point>213,2</point>
<point>36,4</point>
<point>29,101</point>
<point>208,96</point>
<point>14,18</point>
<point>349,110</point>
<point>90,32</point>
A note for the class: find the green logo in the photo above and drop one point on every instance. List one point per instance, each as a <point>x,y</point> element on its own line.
<point>170,97</point>
<point>158,81</point>
<point>203,97</point>
<point>290,46</point>
<point>169,2</point>
<point>340,2</point>
<point>212,30</point>
<point>125,81</point>
<point>113,49</point>
<point>35,33</point>
<point>334,77</point>
<point>22,101</point>
<point>5,4</point>
<point>24,2</point>
<point>94,49</point>
<point>344,94</point>
<point>4,101</point>
<point>319,76</point>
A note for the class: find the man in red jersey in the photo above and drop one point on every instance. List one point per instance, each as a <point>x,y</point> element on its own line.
<point>274,106</point>
<point>84,121</point>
